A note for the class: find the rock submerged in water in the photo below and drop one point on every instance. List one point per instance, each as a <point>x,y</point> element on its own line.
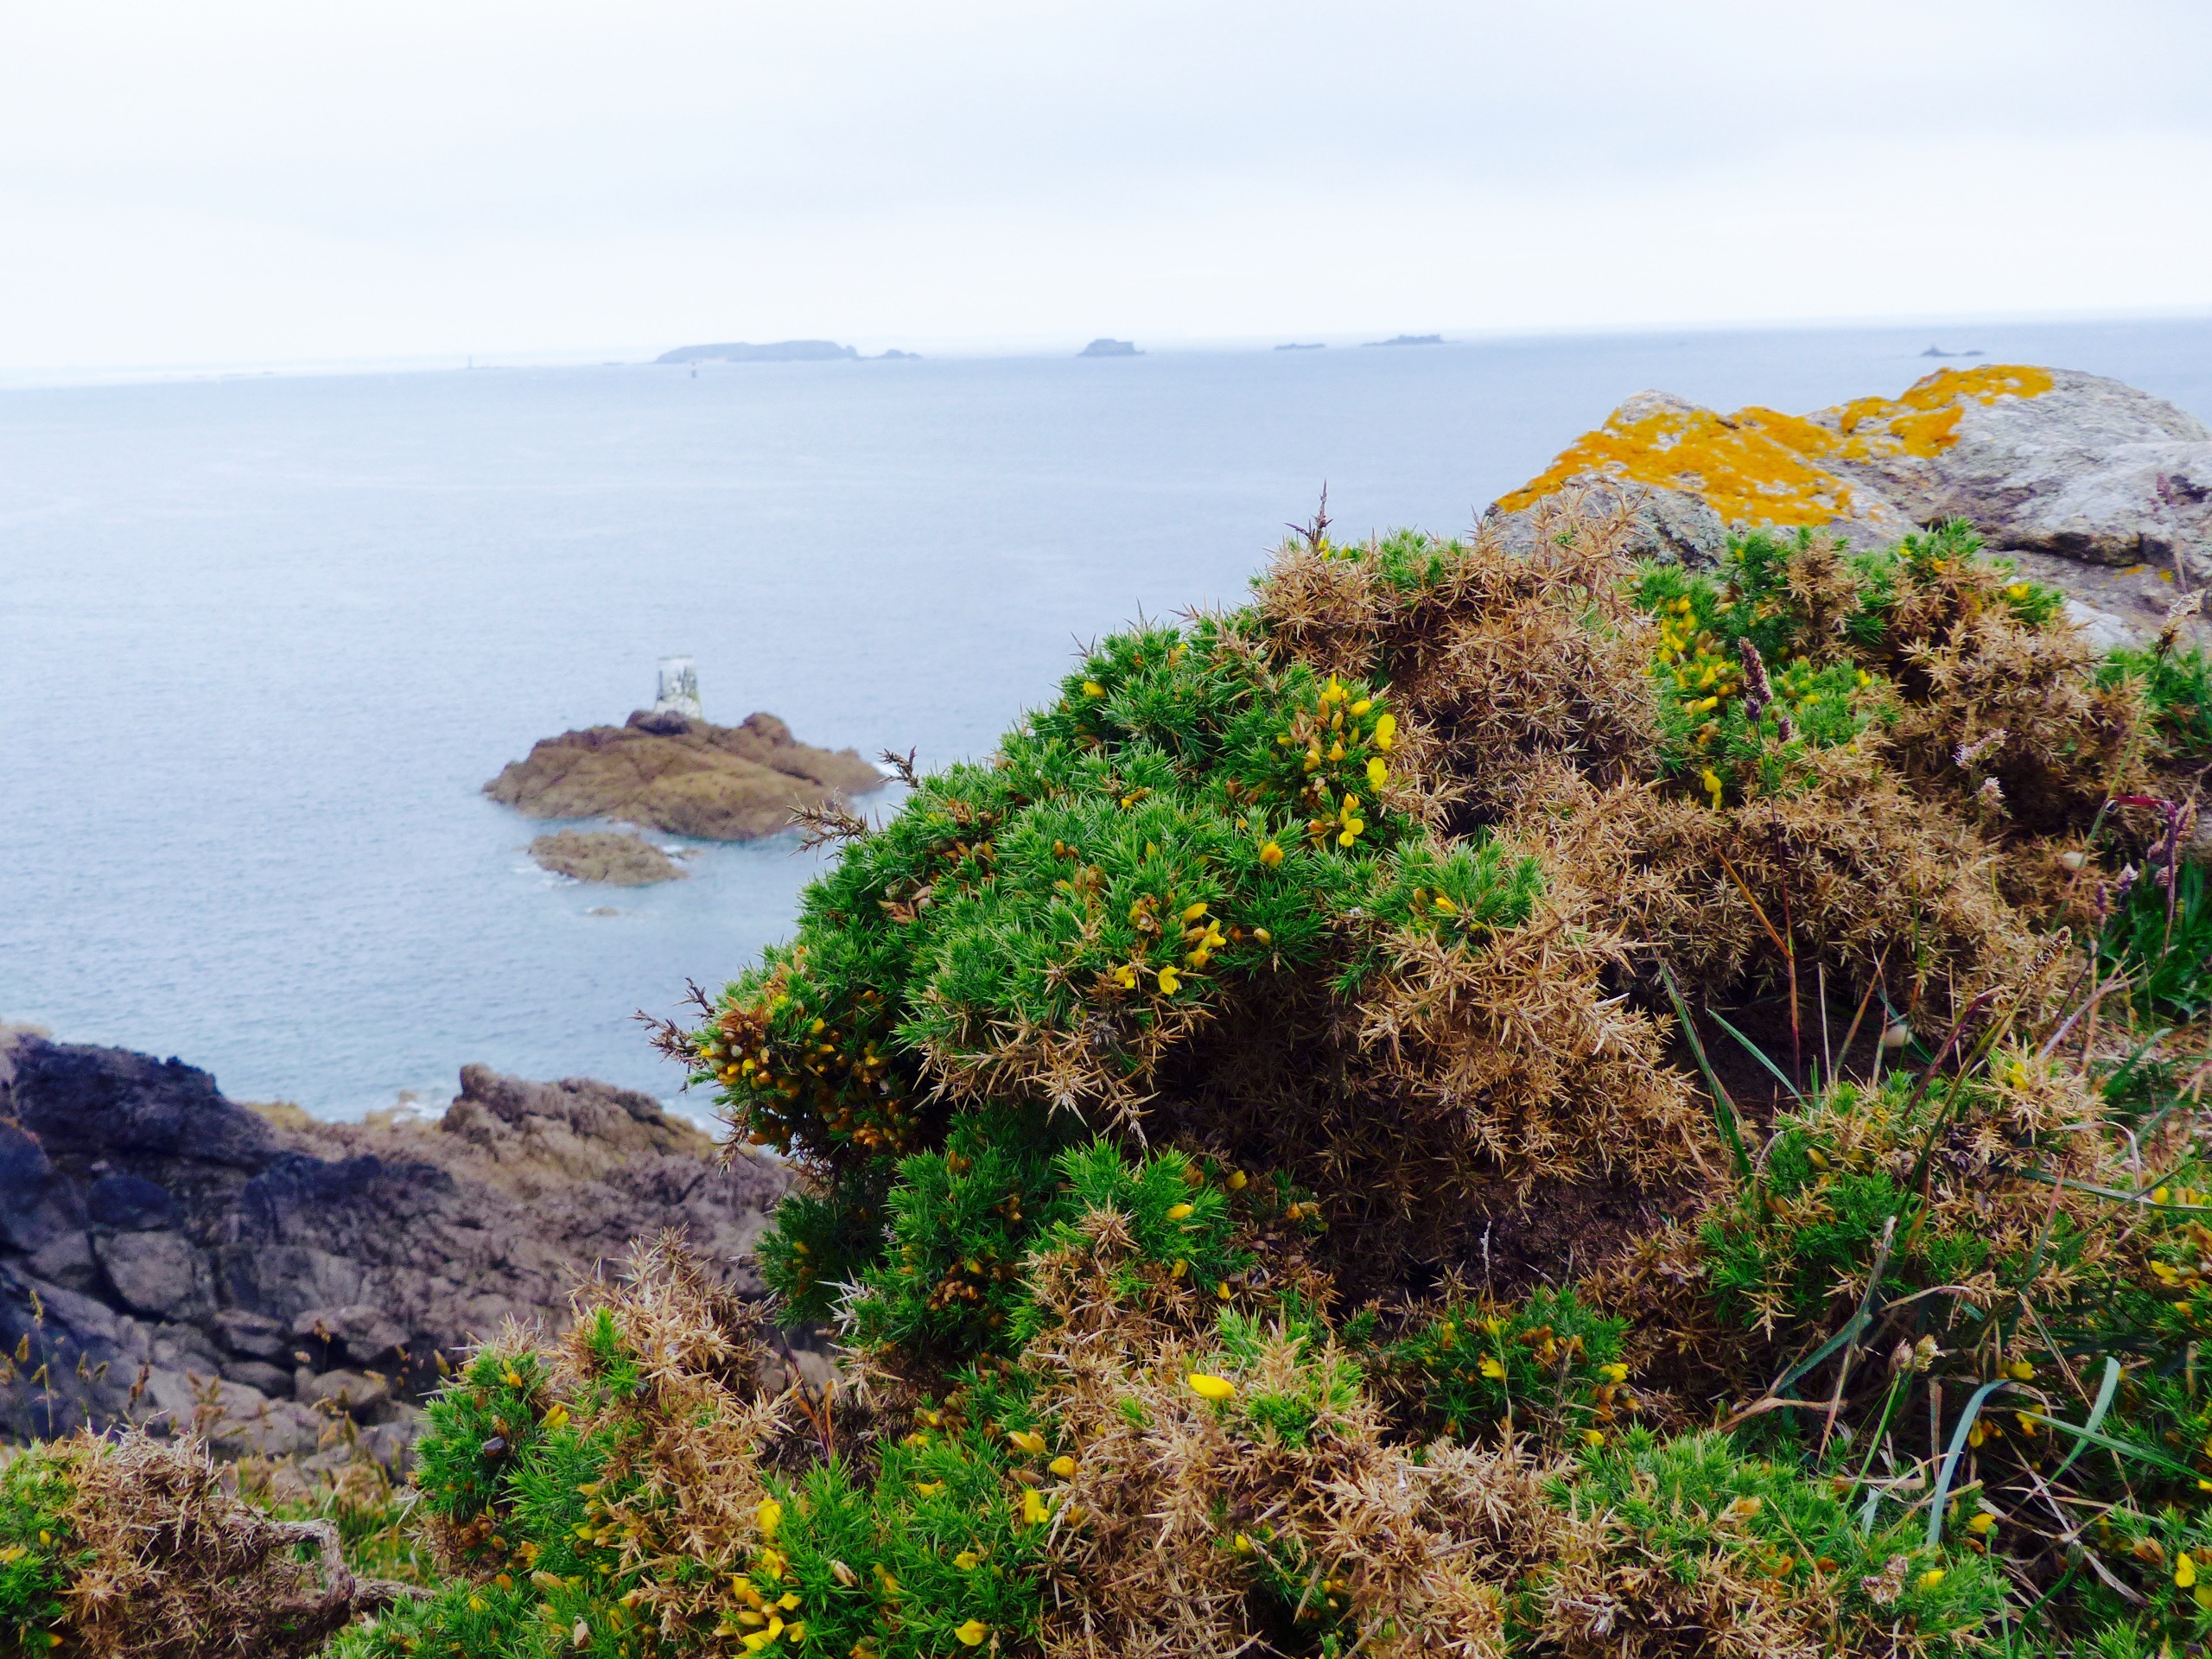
<point>170,1257</point>
<point>689,776</point>
<point>617,859</point>
<point>2098,487</point>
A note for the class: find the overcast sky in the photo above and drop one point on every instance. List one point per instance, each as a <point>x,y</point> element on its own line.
<point>240,182</point>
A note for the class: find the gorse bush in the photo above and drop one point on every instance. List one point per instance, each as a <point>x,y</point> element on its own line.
<point>1484,1102</point>
<point>2177,688</point>
<point>39,1557</point>
<point>133,1550</point>
<point>1548,1364</point>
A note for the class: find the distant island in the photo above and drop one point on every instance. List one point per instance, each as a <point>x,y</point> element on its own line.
<point>781,351</point>
<point>895,356</point>
<point>1298,346</point>
<point>1410,340</point>
<point>1937,351</point>
<point>669,771</point>
<point>1103,347</point>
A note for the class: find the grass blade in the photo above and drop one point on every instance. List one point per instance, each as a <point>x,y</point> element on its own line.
<point>1752,1049</point>
<point>1950,1465</point>
<point>1723,1110</point>
<point>2142,1454</point>
<point>2097,1410</point>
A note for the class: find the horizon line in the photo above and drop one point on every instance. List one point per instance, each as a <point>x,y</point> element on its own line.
<point>49,376</point>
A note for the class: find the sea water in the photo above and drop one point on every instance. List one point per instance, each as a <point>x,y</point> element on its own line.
<point>263,640</point>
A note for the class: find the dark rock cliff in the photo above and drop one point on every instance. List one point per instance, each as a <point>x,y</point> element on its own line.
<point>168,1256</point>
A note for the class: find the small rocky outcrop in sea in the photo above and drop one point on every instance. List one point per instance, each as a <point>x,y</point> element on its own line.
<point>2088,484</point>
<point>688,777</point>
<point>170,1257</point>
<point>1104,346</point>
<point>617,859</point>
<point>780,351</point>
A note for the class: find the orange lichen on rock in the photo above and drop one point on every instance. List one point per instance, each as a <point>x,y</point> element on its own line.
<point>1762,466</point>
<point>1756,464</point>
<point>1924,421</point>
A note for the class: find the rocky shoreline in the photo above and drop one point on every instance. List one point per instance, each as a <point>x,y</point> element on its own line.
<point>295,1288</point>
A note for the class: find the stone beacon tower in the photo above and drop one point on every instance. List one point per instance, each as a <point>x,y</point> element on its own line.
<point>679,689</point>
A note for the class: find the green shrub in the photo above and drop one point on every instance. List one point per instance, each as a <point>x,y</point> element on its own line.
<point>1714,1531</point>
<point>38,1552</point>
<point>1262,899</point>
<point>1193,820</point>
<point>1550,1363</point>
<point>2177,689</point>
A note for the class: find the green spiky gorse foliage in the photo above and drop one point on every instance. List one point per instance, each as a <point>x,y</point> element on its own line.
<point>38,1555</point>
<point>1195,828</point>
<point>1303,947</point>
<point>1243,1157</point>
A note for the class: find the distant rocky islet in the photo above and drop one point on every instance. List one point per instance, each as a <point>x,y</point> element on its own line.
<point>668,768</point>
<point>617,858</point>
<point>778,351</point>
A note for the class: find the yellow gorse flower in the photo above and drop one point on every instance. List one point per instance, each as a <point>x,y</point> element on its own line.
<point>769,1516</point>
<point>1209,1387</point>
<point>972,1633</point>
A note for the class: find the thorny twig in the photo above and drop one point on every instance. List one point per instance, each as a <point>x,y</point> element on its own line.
<point>1317,531</point>
<point>828,824</point>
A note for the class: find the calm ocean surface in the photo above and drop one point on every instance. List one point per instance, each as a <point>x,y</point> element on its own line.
<point>262,639</point>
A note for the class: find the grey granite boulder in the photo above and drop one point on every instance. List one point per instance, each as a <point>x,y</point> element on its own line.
<point>2090,469</point>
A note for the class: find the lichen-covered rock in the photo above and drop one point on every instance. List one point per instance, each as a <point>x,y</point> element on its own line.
<point>689,776</point>
<point>2050,461</point>
<point>618,859</point>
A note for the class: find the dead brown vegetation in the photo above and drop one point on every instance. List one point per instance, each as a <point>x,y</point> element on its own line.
<point>180,1568</point>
